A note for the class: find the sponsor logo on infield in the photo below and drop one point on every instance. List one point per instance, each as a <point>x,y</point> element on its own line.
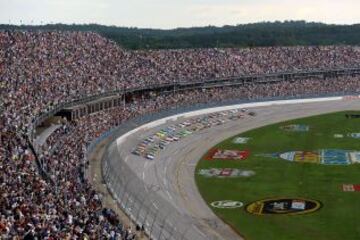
<point>227,204</point>
<point>295,128</point>
<point>338,135</point>
<point>283,206</point>
<point>323,156</point>
<point>351,187</point>
<point>225,172</point>
<point>349,135</point>
<point>354,135</point>
<point>224,154</point>
<point>240,140</point>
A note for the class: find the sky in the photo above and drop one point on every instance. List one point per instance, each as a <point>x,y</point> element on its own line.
<point>167,14</point>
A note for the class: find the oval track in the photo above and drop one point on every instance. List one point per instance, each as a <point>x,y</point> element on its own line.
<point>172,171</point>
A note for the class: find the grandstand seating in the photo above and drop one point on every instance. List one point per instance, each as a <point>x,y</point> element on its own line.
<point>40,70</point>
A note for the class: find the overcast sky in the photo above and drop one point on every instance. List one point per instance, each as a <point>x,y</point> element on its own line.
<point>177,13</point>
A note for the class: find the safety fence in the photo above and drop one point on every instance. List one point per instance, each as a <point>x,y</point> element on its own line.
<point>142,203</point>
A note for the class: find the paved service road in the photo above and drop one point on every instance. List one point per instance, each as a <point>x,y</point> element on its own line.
<point>173,169</point>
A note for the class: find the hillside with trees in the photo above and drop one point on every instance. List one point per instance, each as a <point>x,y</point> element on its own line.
<point>288,33</point>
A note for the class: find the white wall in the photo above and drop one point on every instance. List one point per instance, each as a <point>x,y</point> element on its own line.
<point>237,106</point>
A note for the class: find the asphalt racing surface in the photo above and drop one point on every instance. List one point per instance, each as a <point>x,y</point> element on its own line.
<point>173,169</point>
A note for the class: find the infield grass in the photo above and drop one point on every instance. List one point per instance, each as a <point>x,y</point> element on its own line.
<point>339,217</point>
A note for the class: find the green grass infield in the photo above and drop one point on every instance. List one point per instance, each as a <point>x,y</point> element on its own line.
<point>321,154</point>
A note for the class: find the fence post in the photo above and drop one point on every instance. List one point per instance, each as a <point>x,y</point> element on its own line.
<point>184,233</point>
<point>162,228</point>
<point>147,196</point>
<point>145,218</point>
<point>154,220</point>
<point>140,207</point>
<point>117,186</point>
<point>125,192</point>
<point>134,200</point>
<point>125,202</point>
<point>171,232</point>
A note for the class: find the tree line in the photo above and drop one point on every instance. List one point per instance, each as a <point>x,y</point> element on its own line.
<point>288,33</point>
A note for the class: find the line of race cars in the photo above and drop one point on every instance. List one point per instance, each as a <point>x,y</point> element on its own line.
<point>151,145</point>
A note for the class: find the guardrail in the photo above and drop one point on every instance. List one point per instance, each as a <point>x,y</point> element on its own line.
<point>160,219</point>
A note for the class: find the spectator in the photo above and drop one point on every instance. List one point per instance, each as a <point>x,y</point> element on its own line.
<point>39,70</point>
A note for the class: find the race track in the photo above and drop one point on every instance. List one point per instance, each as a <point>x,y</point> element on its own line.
<point>172,171</point>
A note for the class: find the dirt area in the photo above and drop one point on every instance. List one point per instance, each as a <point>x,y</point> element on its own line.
<point>95,176</point>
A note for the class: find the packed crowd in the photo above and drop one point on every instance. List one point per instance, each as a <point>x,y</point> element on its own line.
<point>200,64</point>
<point>54,67</point>
<point>41,70</point>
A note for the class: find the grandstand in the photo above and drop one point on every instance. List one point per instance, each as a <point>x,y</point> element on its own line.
<point>86,85</point>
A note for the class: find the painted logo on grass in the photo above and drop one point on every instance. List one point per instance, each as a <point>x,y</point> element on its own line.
<point>323,156</point>
<point>301,156</point>
<point>351,187</point>
<point>240,140</point>
<point>349,135</point>
<point>295,128</point>
<point>225,172</point>
<point>338,135</point>
<point>223,154</point>
<point>354,135</point>
<point>283,206</point>
<point>226,204</point>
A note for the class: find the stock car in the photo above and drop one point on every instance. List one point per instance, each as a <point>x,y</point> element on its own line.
<point>162,146</point>
<point>150,139</point>
<point>149,146</point>
<point>159,134</point>
<point>184,133</point>
<point>136,152</point>
<point>187,123</point>
<point>234,117</point>
<point>170,129</point>
<point>169,139</point>
<point>221,121</point>
<point>145,142</point>
<point>139,151</point>
<point>164,142</point>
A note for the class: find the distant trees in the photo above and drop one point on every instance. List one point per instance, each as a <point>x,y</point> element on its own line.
<point>286,33</point>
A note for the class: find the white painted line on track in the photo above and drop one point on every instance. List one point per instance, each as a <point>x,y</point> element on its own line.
<point>165,183</point>
<point>146,164</point>
<point>191,164</point>
<point>197,229</point>
<point>169,195</point>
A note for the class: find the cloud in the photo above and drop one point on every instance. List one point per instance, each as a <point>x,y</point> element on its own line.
<point>345,11</point>
<point>177,13</point>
